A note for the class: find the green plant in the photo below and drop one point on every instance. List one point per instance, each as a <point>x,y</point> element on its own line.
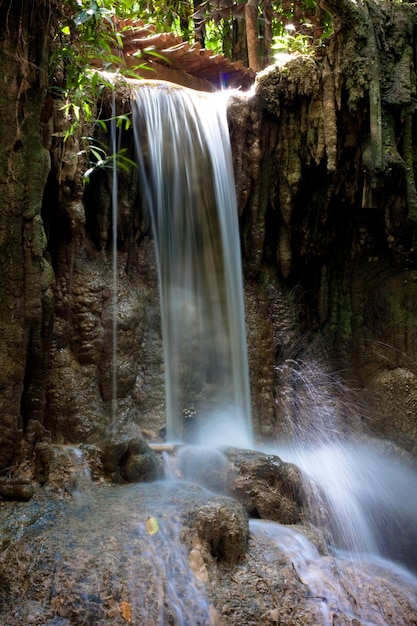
<point>97,154</point>
<point>292,43</point>
<point>299,26</point>
<point>89,36</point>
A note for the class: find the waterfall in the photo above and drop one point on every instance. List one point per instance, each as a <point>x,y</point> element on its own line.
<point>184,156</point>
<point>171,552</point>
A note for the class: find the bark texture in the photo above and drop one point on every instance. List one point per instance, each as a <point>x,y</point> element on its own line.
<point>252,34</point>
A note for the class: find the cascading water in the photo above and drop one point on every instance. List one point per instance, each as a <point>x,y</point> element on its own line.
<point>115,148</point>
<point>182,146</point>
<point>183,150</point>
<point>363,485</point>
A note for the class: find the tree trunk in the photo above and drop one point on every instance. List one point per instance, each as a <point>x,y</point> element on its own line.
<point>199,25</point>
<point>240,44</point>
<point>252,35</point>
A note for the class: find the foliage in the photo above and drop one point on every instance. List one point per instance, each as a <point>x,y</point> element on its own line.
<point>296,25</point>
<point>90,33</point>
<point>87,36</point>
<point>299,27</point>
<point>212,21</point>
<point>96,152</point>
<point>292,43</point>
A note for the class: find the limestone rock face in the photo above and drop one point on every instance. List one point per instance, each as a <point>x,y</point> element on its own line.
<point>396,406</point>
<point>327,201</point>
<point>106,362</point>
<point>222,526</point>
<point>26,277</point>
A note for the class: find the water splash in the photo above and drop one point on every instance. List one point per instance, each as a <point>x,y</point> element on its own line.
<point>363,491</point>
<point>182,145</point>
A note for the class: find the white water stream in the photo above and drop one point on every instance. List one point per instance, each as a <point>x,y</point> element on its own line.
<point>341,590</point>
<point>184,154</point>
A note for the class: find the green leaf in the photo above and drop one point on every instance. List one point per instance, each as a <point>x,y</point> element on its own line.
<point>152,525</point>
<point>123,121</point>
<point>88,173</point>
<point>119,40</point>
<point>97,152</point>
<point>102,124</point>
<point>87,110</point>
<point>82,17</point>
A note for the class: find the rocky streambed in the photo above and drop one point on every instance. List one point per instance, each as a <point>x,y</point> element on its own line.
<point>84,551</point>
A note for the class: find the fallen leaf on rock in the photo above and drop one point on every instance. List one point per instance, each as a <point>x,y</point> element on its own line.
<point>126,611</point>
<point>152,525</point>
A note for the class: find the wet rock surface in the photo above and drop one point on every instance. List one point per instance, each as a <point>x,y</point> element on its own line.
<point>284,581</point>
<point>17,489</point>
<point>130,459</point>
<point>172,553</point>
<point>113,552</point>
<point>268,487</point>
